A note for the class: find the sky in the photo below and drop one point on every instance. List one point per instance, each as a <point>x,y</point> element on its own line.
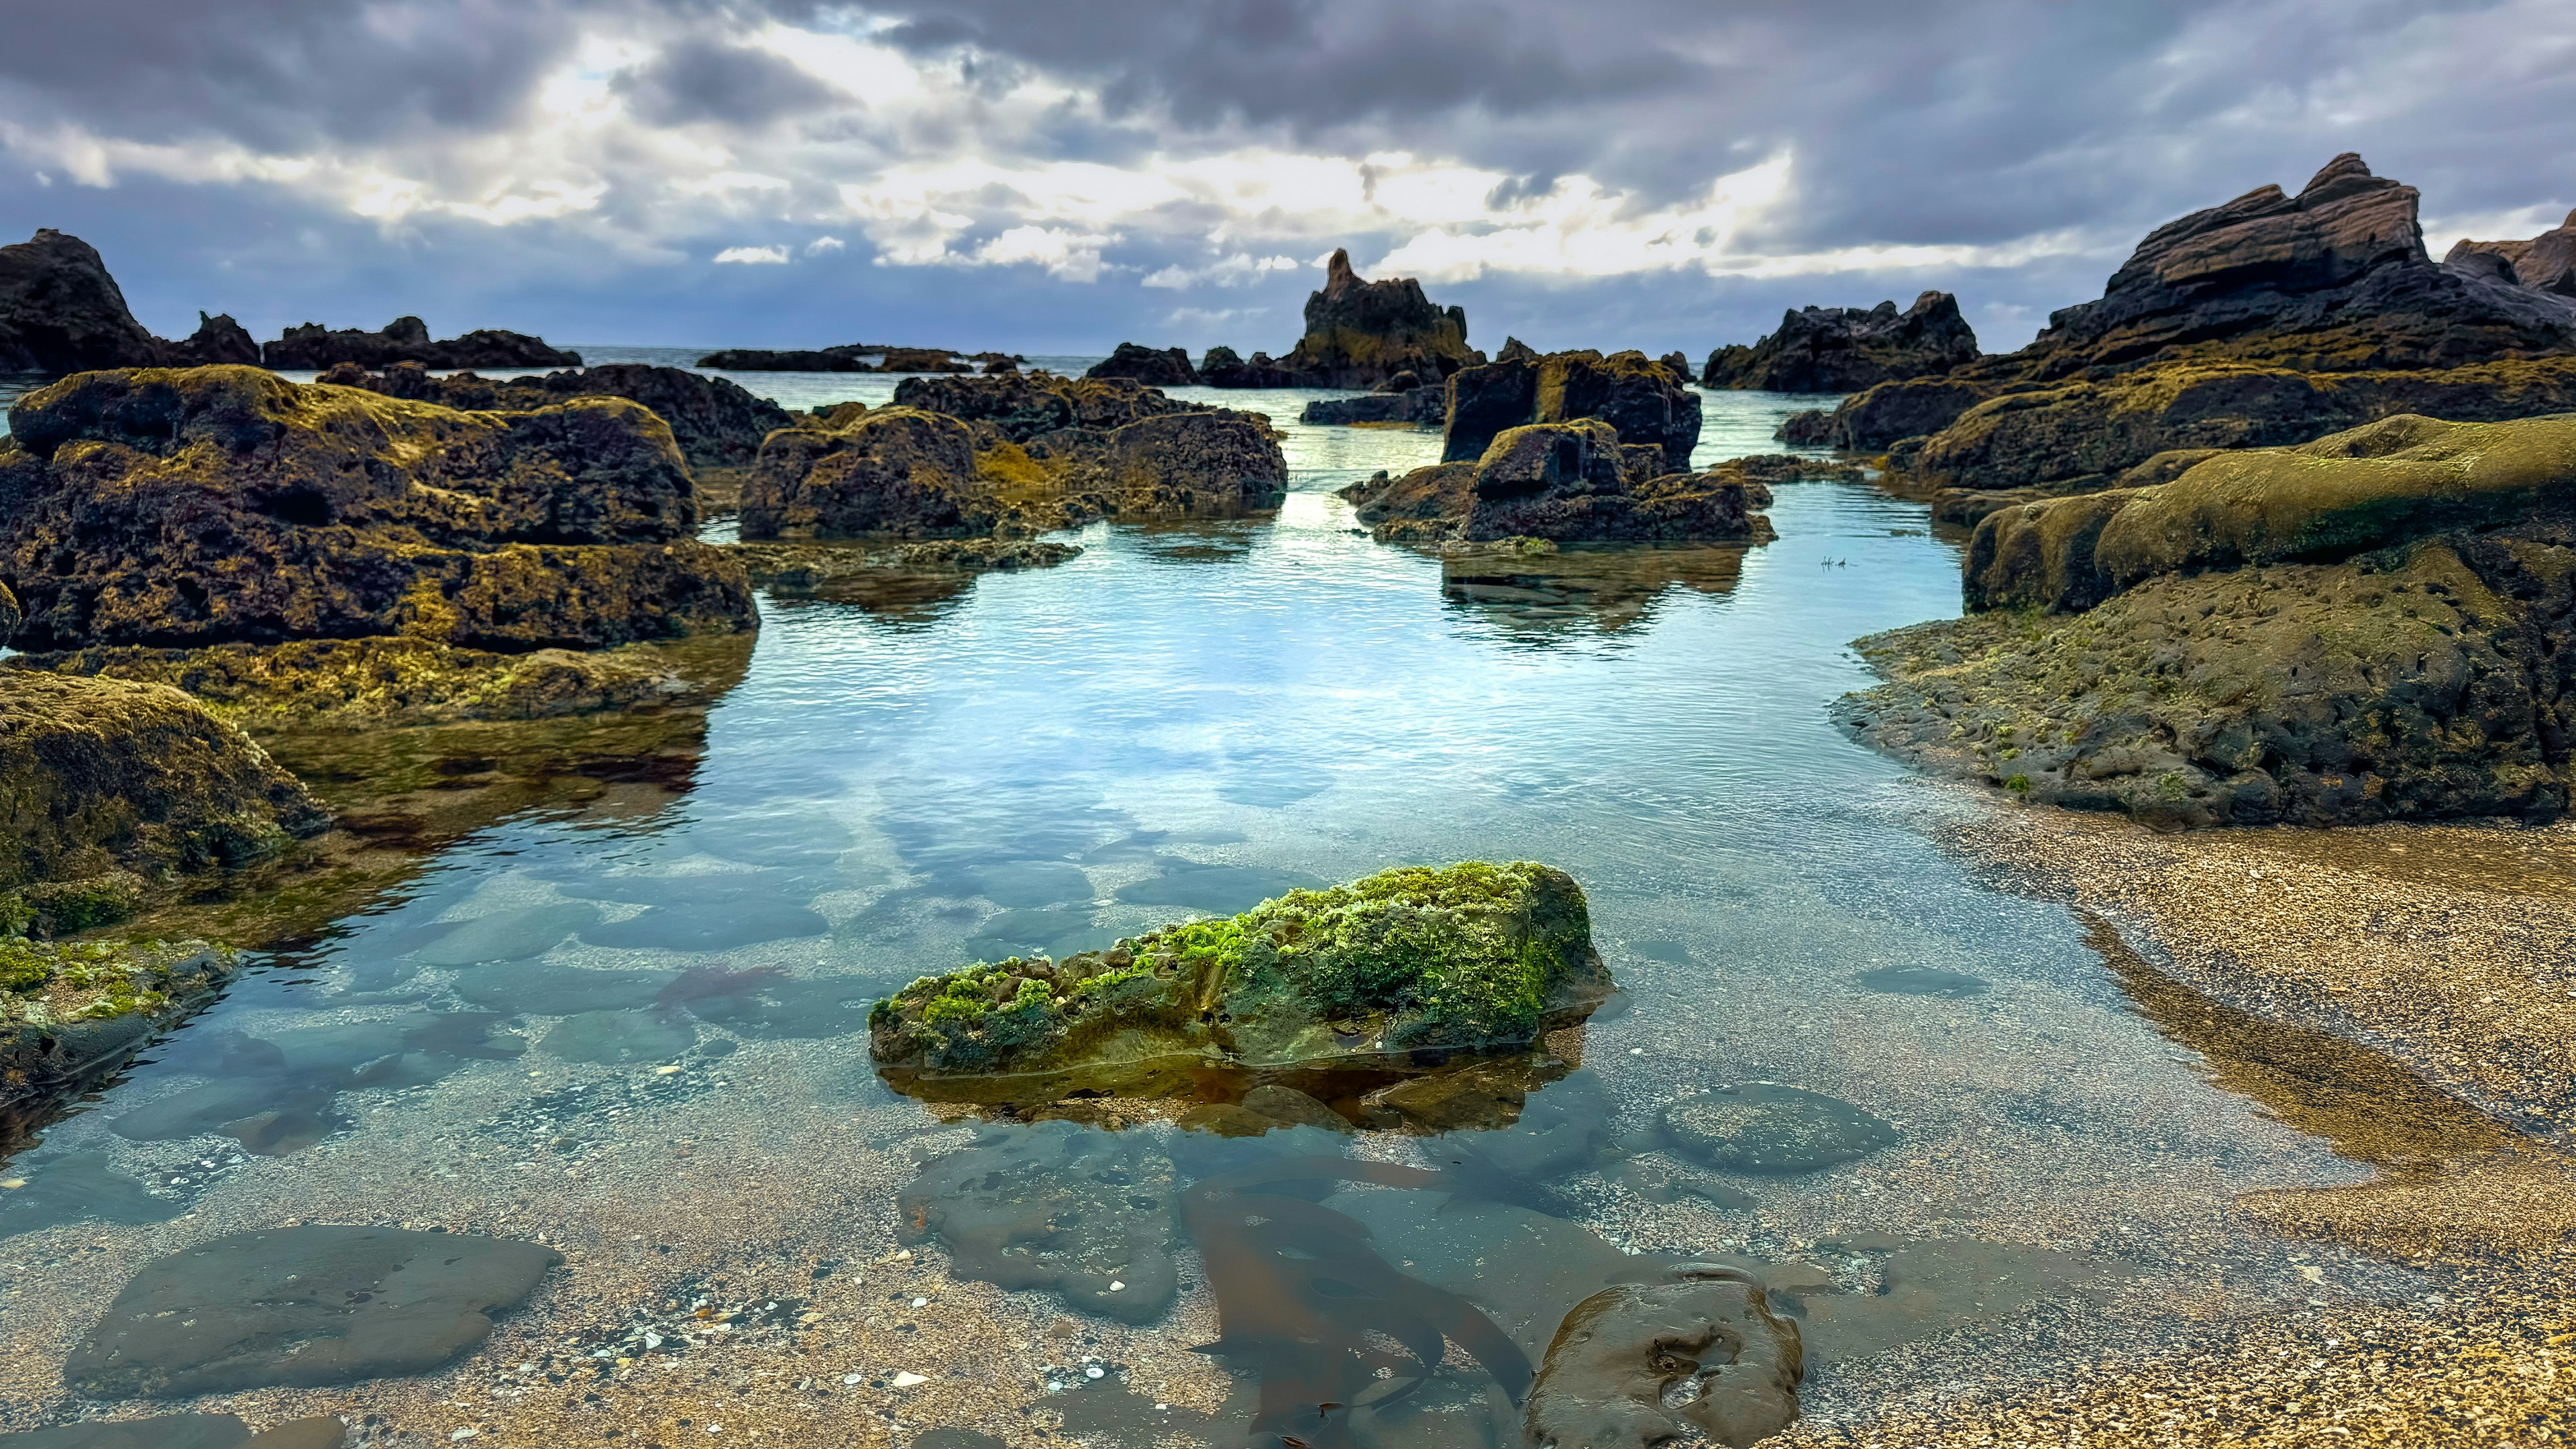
<point>1052,176</point>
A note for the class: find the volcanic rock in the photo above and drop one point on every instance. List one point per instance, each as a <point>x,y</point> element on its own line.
<point>1647,402</point>
<point>1360,333</point>
<point>1136,363</point>
<point>754,359</point>
<point>1224,367</point>
<point>302,1307</point>
<point>61,312</point>
<point>2545,263</point>
<point>897,471</point>
<point>1421,405</point>
<point>197,507</point>
<point>218,341</point>
<point>1574,483</point>
<point>1846,349</point>
<point>406,339</point>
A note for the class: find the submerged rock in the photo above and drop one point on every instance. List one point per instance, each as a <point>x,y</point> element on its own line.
<point>197,507</point>
<point>314,347</point>
<point>302,1307</point>
<point>1399,970</point>
<point>1088,1215</point>
<point>1846,349</point>
<point>184,1431</point>
<point>1767,1128</point>
<point>1644,1364</point>
<point>1168,368</point>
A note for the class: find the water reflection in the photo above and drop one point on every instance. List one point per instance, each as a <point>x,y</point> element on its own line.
<point>1539,597</point>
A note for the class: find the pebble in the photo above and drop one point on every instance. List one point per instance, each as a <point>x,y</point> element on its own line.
<point>907,1379</point>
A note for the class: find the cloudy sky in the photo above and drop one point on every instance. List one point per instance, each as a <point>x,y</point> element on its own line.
<point>1056,175</point>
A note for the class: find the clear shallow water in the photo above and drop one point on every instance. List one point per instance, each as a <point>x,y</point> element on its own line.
<point>638,1036</point>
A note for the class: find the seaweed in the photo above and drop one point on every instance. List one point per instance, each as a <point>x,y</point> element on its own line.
<point>1301,1297</point>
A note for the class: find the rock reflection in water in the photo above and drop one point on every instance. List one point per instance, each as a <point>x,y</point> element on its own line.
<point>1302,1301</point>
<point>1553,593</point>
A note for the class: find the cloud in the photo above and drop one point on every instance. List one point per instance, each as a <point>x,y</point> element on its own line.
<point>823,244</point>
<point>753,256</point>
<point>1236,270</point>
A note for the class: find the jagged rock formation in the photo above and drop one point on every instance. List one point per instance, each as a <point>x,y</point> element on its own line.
<point>853,357</point>
<point>1574,483</point>
<point>1168,368</point>
<point>2377,625</point>
<point>2545,263</point>
<point>186,508</point>
<point>1359,334</point>
<point>61,312</point>
<point>1646,401</point>
<point>406,339</point>
<point>718,424</point>
<point>1417,404</point>
<point>1846,349</point>
<point>1011,455</point>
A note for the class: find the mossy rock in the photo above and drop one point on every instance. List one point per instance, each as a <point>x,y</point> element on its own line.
<point>1395,973</point>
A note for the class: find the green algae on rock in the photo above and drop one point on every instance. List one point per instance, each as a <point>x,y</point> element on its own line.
<point>1395,972</point>
<point>73,1012</point>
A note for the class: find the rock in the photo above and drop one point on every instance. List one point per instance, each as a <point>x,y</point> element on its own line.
<point>184,1431</point>
<point>78,1187</point>
<point>1360,333</point>
<point>218,341</point>
<point>1644,401</point>
<point>896,471</point>
<point>1223,367</point>
<point>1169,368</point>
<point>1294,1108</point>
<point>196,507</point>
<point>2401,478</point>
<point>1477,1097</point>
<point>61,312</point>
<point>1054,1207</point>
<point>1564,1128</point>
<point>616,1038</point>
<point>1025,408</point>
<point>2082,435</point>
<point>1846,349</point>
<point>1391,973</point>
<point>1574,482</point>
<point>752,359</point>
<point>2545,263</point>
<point>2420,684</point>
<point>302,1307</point>
<point>1421,405</point>
<point>1644,1364</point>
<point>2333,279</point>
<point>1773,1130</point>
<point>99,775</point>
<point>406,339</point>
<point>1890,411</point>
<point>1192,465</point>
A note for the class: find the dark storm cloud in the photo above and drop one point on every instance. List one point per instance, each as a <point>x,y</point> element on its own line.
<point>700,80</point>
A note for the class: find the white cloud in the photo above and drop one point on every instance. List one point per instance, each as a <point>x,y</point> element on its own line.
<point>1231,271</point>
<point>822,244</point>
<point>753,256</point>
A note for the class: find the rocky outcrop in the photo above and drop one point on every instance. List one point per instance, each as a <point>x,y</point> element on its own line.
<point>718,424</point>
<point>2545,263</point>
<point>1646,401</point>
<point>1011,455</point>
<point>1224,367</point>
<point>1573,483</point>
<point>1359,334</point>
<point>1417,405</point>
<point>853,357</point>
<point>2377,625</point>
<point>1846,349</point>
<point>314,347</point>
<point>184,508</point>
<point>1391,974</point>
<point>1168,368</point>
<point>61,312</point>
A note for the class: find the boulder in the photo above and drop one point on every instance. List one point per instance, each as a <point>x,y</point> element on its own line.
<point>1419,405</point>
<point>61,312</point>
<point>2545,263</point>
<point>1645,1364</point>
<point>1646,401</point>
<point>1574,482</point>
<point>1088,1215</point>
<point>1170,368</point>
<point>895,472</point>
<point>218,341</point>
<point>1217,464</point>
<point>1392,974</point>
<point>1846,349</point>
<point>1360,333</point>
<point>753,359</point>
<point>1024,407</point>
<point>1871,420</point>
<point>2333,279</point>
<point>406,339</point>
<point>100,775</point>
<point>185,508</point>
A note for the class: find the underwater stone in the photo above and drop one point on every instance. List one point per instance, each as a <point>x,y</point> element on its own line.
<point>75,1187</point>
<point>1395,972</point>
<point>719,926</point>
<point>513,935</point>
<point>1642,1364</point>
<point>303,1307</point>
<point>1054,1206</point>
<point>1288,1105</point>
<point>1921,981</point>
<point>1764,1127</point>
<point>609,1038</point>
<point>546,988</point>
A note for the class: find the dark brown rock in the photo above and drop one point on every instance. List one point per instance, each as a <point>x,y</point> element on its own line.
<point>218,341</point>
<point>181,508</point>
<point>1224,367</point>
<point>1420,405</point>
<point>61,312</point>
<point>2545,263</point>
<point>1571,482</point>
<point>718,424</point>
<point>897,472</point>
<point>1645,401</point>
<point>1846,349</point>
<point>1023,407</point>
<point>753,359</point>
<point>1644,1364</point>
<point>1360,333</point>
<point>406,339</point>
<point>1168,368</point>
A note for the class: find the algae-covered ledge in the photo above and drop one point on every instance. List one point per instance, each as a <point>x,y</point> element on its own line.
<point>1399,971</point>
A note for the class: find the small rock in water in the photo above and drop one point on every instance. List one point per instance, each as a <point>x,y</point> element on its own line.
<point>1109,1195</point>
<point>616,1037</point>
<point>516,935</point>
<point>1644,1364</point>
<point>76,1186</point>
<point>1764,1127</point>
<point>1922,981</point>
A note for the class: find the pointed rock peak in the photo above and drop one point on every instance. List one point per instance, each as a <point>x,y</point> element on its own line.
<point>2345,175</point>
<point>1338,273</point>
